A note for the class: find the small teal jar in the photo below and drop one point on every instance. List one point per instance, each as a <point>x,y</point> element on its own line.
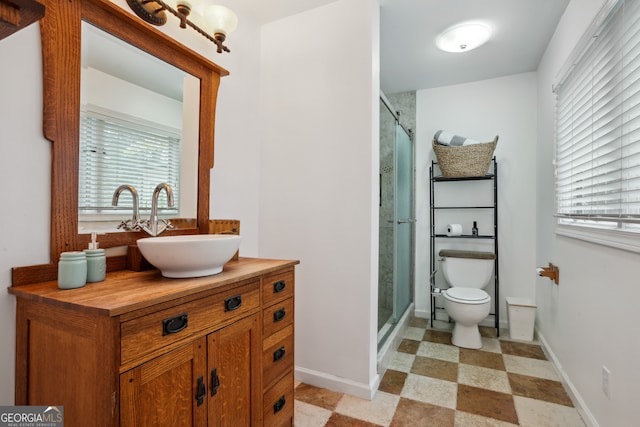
<point>96,265</point>
<point>72,270</point>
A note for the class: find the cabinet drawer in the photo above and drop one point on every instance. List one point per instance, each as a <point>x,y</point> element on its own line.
<point>277,317</point>
<point>277,355</point>
<point>278,403</point>
<point>157,330</point>
<point>277,287</point>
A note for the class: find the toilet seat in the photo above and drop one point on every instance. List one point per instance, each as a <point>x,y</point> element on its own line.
<point>466,295</point>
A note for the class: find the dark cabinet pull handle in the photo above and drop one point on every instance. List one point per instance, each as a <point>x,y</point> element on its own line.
<point>174,324</point>
<point>215,382</point>
<point>279,286</point>
<point>278,315</point>
<point>279,354</point>
<point>277,407</point>
<point>202,391</point>
<point>233,303</point>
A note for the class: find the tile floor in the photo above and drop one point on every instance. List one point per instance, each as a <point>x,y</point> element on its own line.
<point>433,383</point>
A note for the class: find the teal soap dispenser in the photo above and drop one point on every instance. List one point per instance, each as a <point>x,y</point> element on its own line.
<point>96,261</point>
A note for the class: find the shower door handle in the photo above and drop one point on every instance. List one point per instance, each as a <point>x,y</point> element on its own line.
<point>407,221</point>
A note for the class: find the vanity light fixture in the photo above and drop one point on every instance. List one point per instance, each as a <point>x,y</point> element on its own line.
<point>216,19</point>
<point>463,37</point>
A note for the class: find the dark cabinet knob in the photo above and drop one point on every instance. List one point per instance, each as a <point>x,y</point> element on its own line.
<point>279,405</point>
<point>279,286</point>
<point>278,315</point>
<point>215,382</point>
<point>279,354</point>
<point>233,303</point>
<point>201,391</point>
<point>175,324</point>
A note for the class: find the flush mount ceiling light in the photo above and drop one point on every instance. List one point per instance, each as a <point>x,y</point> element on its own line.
<point>217,20</point>
<point>463,37</point>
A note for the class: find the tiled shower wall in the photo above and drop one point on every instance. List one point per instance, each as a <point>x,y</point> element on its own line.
<point>405,104</point>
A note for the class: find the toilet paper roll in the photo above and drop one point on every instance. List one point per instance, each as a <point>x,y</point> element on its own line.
<point>454,230</point>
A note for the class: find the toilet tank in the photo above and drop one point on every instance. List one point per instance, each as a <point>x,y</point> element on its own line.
<point>469,269</point>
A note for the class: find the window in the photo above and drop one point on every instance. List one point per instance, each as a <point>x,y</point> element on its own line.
<point>115,150</point>
<point>598,129</point>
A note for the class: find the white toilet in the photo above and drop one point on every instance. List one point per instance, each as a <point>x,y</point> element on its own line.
<point>467,272</point>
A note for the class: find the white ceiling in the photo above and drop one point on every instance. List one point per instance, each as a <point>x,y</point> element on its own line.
<point>271,10</point>
<point>409,59</point>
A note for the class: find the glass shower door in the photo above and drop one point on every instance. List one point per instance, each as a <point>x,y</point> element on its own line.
<point>404,222</point>
<point>386,217</point>
<point>396,222</point>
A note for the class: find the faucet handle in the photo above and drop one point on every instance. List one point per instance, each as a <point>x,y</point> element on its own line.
<point>130,225</point>
<point>141,224</point>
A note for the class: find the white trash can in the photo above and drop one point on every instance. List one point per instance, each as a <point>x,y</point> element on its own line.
<point>521,314</point>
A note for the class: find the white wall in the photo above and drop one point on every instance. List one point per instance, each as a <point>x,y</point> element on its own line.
<point>25,171</point>
<point>589,319</point>
<point>319,168</point>
<point>481,110</point>
<point>236,173</point>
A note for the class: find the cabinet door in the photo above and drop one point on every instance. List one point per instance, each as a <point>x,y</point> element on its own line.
<point>234,374</point>
<point>165,390</point>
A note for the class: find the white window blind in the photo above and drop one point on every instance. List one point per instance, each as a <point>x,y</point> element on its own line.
<point>114,151</point>
<point>598,127</point>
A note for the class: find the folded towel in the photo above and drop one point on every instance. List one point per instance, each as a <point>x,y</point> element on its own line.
<point>447,138</point>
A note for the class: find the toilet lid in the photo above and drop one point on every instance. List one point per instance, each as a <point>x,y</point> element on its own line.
<point>467,295</point>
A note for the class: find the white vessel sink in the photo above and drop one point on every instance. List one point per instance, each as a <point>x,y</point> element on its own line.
<point>194,255</point>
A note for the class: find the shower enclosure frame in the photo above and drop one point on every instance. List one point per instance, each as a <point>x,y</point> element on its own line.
<point>402,222</point>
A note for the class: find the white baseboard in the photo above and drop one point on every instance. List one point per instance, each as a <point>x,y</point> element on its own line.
<point>578,402</point>
<point>337,384</point>
<point>354,388</point>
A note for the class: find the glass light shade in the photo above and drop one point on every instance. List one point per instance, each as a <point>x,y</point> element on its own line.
<point>463,37</point>
<point>220,19</point>
<point>174,3</point>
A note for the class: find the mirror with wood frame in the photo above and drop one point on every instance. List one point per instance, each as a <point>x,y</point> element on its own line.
<point>139,123</point>
<point>61,53</point>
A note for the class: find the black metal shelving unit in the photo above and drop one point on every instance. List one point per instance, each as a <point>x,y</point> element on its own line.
<point>434,179</point>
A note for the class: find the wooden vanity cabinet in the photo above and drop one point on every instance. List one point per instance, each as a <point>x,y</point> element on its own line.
<point>277,348</point>
<point>172,389</point>
<point>161,392</point>
<point>142,350</point>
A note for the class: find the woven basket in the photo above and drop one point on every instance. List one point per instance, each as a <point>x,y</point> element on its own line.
<point>465,160</point>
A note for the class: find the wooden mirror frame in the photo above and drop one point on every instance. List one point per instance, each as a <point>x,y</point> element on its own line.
<point>61,56</point>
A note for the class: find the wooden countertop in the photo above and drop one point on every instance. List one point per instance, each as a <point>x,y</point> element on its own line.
<point>126,291</point>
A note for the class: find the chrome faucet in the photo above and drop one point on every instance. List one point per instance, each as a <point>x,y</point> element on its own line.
<point>134,222</point>
<point>154,226</point>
